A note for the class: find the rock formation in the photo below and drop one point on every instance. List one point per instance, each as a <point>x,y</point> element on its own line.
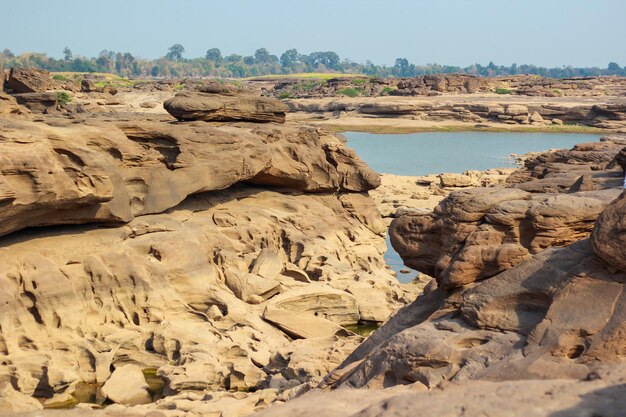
<point>208,258</point>
<point>603,394</point>
<point>223,107</point>
<point>521,292</point>
<point>111,172</point>
<point>480,232</point>
<point>28,80</point>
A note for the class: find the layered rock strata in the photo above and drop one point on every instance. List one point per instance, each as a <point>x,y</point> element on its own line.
<point>225,107</point>
<point>478,233</point>
<point>232,258</point>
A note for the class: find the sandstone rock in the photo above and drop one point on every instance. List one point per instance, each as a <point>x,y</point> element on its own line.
<point>88,86</point>
<point>542,305</point>
<point>127,386</point>
<point>148,104</point>
<point>536,118</point>
<point>478,233</point>
<point>516,110</point>
<point>8,105</point>
<point>609,235</point>
<point>223,108</point>
<point>457,180</point>
<point>300,325</point>
<point>28,80</point>
<point>38,102</point>
<point>12,401</point>
<point>91,171</point>
<point>319,301</point>
<point>601,394</point>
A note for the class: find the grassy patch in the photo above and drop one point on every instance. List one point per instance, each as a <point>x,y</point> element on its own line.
<point>60,77</point>
<point>63,97</point>
<point>359,81</point>
<point>284,95</point>
<point>388,89</point>
<point>350,92</point>
<point>503,91</point>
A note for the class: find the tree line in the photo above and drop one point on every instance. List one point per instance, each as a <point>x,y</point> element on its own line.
<point>262,62</point>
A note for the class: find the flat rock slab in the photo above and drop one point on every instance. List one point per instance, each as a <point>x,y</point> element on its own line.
<point>224,108</point>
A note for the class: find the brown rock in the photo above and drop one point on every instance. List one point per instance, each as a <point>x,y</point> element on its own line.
<point>609,236</point>
<point>8,105</point>
<point>28,80</point>
<point>46,103</point>
<point>481,232</point>
<point>67,173</point>
<point>222,108</point>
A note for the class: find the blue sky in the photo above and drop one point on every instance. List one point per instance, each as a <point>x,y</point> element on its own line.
<point>456,32</point>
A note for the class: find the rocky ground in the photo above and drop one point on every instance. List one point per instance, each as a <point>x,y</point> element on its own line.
<point>529,286</point>
<point>221,257</point>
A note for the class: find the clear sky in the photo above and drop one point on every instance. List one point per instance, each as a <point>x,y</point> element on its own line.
<point>456,32</point>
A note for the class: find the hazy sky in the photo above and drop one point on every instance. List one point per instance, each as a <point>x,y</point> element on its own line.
<point>456,32</point>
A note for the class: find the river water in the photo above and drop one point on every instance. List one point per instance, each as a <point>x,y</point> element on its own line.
<point>438,152</point>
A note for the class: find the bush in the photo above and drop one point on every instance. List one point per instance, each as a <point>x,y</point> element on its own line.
<point>503,91</point>
<point>359,81</point>
<point>388,89</point>
<point>350,92</point>
<point>63,97</point>
<point>284,95</point>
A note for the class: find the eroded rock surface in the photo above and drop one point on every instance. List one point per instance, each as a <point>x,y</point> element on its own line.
<point>523,293</point>
<point>65,173</point>
<point>220,107</point>
<point>216,239</point>
<point>602,395</point>
<point>479,232</point>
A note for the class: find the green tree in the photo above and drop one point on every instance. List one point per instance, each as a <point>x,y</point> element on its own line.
<point>214,55</point>
<point>175,53</point>
<point>401,67</point>
<point>67,54</point>
<point>614,68</point>
<point>290,58</point>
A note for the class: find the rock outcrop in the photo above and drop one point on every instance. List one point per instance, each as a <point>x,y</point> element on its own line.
<point>221,107</point>
<point>609,235</point>
<point>521,292</point>
<point>8,105</point>
<point>28,80</point>
<point>479,232</point>
<point>111,172</point>
<point>232,259</point>
<point>602,394</point>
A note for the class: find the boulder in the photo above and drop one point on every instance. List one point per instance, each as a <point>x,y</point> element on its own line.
<point>609,235</point>
<point>28,80</point>
<point>478,233</point>
<point>127,386</point>
<point>319,301</point>
<point>224,108</point>
<point>88,86</point>
<point>457,180</point>
<point>46,103</point>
